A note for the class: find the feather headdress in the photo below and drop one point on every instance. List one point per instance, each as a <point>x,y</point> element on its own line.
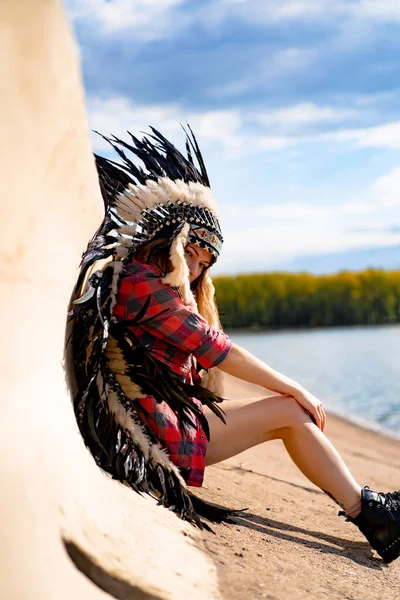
<point>170,198</point>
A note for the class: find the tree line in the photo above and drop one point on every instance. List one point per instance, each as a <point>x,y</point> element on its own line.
<point>278,300</point>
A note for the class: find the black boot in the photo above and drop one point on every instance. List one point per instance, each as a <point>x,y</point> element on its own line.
<point>379,521</point>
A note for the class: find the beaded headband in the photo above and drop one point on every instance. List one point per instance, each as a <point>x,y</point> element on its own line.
<point>158,201</point>
<point>205,238</point>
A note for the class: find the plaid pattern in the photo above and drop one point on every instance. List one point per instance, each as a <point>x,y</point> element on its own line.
<point>173,337</point>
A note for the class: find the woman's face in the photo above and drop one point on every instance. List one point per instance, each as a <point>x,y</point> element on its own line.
<point>197,260</point>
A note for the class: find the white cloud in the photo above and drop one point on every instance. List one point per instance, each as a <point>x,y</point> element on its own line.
<point>295,10</point>
<point>224,127</point>
<point>276,65</point>
<point>289,59</point>
<point>381,10</point>
<point>284,231</point>
<point>228,129</point>
<point>154,19</point>
<point>264,246</point>
<point>377,98</point>
<point>239,133</point>
<point>387,189</point>
<point>270,143</point>
<point>233,130</point>
<point>298,211</point>
<point>147,19</point>
<point>115,116</point>
<point>382,136</point>
<point>279,10</point>
<point>304,114</point>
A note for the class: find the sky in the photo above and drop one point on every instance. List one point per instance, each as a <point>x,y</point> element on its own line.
<point>295,104</point>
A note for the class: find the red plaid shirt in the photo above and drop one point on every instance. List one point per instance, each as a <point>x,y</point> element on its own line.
<point>173,337</point>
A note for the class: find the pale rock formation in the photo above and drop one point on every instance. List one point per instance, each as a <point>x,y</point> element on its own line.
<point>53,497</point>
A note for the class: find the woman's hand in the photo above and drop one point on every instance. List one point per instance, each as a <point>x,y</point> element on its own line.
<point>247,367</point>
<point>313,406</point>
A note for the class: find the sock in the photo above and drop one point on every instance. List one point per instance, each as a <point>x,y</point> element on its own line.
<point>355,510</point>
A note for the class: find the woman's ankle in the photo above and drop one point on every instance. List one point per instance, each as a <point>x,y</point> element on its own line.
<point>354,511</point>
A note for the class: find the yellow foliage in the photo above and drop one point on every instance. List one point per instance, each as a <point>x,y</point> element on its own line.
<point>265,300</point>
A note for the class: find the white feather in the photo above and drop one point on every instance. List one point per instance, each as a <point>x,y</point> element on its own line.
<point>179,276</point>
<point>125,419</point>
<point>154,452</point>
<point>163,191</point>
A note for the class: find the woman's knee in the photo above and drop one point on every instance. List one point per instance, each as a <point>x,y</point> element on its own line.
<point>292,413</point>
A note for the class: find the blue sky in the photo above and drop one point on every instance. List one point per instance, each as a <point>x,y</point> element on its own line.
<point>295,104</point>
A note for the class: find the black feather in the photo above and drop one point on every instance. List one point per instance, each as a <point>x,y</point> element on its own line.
<point>160,158</point>
<point>115,449</point>
<point>213,512</point>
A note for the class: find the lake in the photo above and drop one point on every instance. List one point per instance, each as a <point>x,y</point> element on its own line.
<point>354,371</point>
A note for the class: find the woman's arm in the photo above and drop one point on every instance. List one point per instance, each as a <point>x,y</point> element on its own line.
<point>242,364</point>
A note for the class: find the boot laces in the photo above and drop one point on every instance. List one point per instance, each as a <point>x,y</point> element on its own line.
<point>392,500</point>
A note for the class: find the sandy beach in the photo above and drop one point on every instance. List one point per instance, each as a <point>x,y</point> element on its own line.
<point>290,543</point>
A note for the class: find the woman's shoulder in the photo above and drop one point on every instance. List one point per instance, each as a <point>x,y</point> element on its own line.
<point>139,281</point>
<point>141,270</point>
<point>147,277</point>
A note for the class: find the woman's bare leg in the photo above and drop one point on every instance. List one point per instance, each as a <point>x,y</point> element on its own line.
<point>251,422</point>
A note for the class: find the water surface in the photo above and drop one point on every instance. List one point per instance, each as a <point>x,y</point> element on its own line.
<point>355,371</point>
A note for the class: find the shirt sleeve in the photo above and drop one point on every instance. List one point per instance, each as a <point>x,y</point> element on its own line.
<point>167,317</point>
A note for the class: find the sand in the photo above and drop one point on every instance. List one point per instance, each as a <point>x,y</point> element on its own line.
<point>290,543</point>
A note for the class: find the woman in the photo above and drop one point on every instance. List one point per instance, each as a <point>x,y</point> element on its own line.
<point>146,340</point>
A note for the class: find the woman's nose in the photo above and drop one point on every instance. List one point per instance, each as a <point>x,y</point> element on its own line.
<point>193,268</point>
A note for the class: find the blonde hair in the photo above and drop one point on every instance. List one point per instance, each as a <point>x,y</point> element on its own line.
<point>204,293</point>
